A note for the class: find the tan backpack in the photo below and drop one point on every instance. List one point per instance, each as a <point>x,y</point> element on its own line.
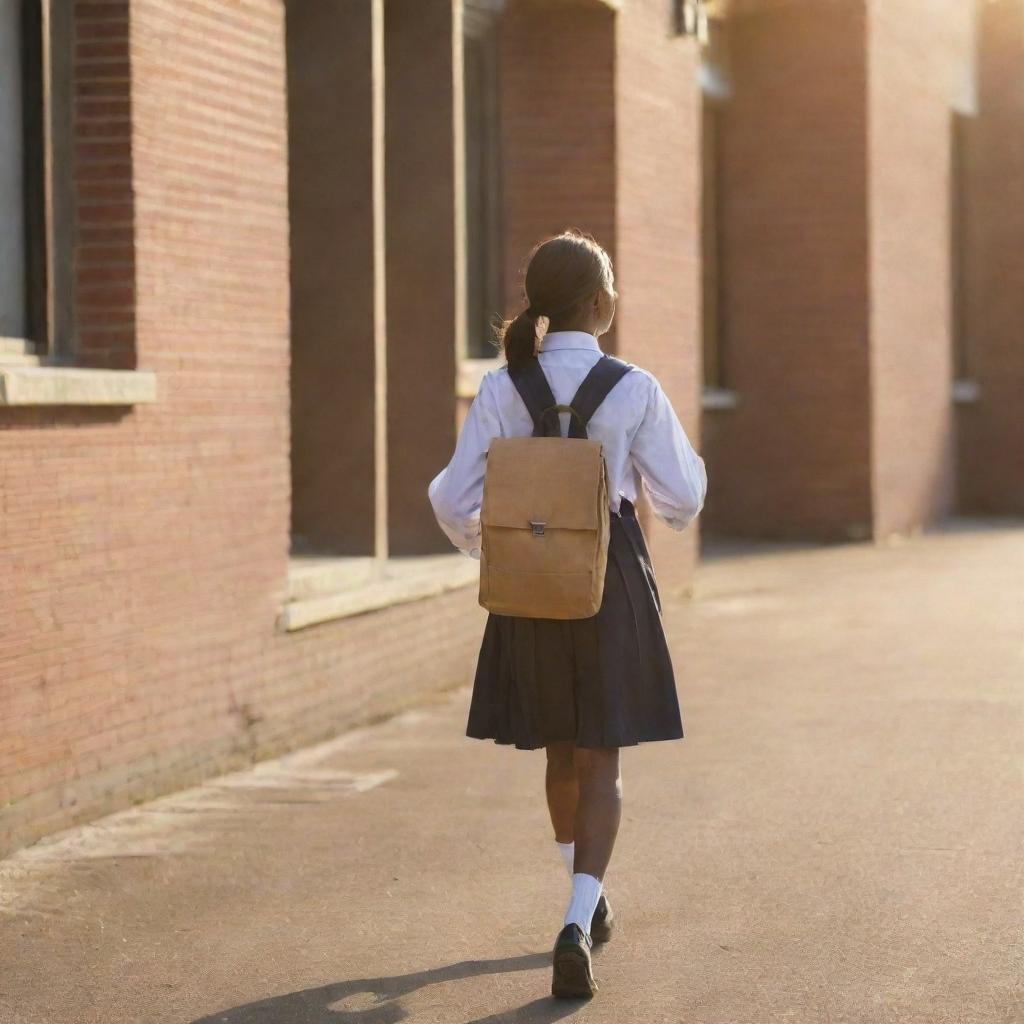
<point>544,517</point>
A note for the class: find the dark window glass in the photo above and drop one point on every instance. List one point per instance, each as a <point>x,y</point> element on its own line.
<point>484,249</point>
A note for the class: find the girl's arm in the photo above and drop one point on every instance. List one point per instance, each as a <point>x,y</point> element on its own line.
<point>673,474</point>
<point>457,491</point>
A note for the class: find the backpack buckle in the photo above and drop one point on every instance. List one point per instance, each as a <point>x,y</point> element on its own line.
<point>538,528</point>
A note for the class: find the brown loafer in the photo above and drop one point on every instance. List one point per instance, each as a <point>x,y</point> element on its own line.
<point>572,975</point>
<point>603,922</point>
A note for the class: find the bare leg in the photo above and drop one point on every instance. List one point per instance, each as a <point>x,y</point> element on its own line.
<point>599,808</point>
<point>562,790</point>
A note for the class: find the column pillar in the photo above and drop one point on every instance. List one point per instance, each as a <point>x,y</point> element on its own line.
<point>909,114</point>
<point>425,257</point>
<point>792,459</point>
<point>658,216</point>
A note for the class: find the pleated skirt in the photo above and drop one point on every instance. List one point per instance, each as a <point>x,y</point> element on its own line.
<point>603,681</point>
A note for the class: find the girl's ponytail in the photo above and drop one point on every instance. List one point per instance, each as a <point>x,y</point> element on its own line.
<point>518,338</point>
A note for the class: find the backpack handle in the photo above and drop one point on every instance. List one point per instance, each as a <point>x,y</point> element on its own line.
<point>565,408</point>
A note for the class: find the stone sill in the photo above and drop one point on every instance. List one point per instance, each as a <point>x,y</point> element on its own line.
<point>471,373</point>
<point>712,399</point>
<point>326,589</point>
<point>69,385</point>
<point>966,391</point>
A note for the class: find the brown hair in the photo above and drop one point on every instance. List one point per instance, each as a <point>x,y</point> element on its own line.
<point>563,272</point>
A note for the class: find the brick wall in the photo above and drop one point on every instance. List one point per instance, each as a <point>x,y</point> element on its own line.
<point>657,215</point>
<point>558,143</point>
<point>143,553</point>
<point>835,265</point>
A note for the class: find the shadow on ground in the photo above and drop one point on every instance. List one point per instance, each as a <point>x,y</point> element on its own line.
<point>377,1000</point>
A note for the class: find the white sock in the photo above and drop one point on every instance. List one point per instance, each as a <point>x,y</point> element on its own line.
<point>568,852</point>
<point>586,891</point>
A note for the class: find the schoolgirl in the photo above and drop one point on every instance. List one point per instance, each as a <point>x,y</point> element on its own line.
<point>580,688</point>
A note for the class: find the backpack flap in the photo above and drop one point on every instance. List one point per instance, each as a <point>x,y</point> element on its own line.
<point>532,479</point>
<point>544,520</point>
<point>544,516</point>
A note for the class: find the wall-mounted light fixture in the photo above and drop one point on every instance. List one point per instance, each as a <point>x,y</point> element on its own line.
<point>691,19</point>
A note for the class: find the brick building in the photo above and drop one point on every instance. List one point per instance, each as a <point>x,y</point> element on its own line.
<point>860,216</point>
<point>249,239</point>
<point>245,264</point>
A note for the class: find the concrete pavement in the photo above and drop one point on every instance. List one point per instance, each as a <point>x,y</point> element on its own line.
<point>837,840</point>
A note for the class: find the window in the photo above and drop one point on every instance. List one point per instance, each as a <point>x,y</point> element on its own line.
<point>373,300</point>
<point>484,249</point>
<point>35,289</point>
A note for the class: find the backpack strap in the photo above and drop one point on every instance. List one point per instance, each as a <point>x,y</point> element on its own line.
<point>603,376</point>
<point>536,394</point>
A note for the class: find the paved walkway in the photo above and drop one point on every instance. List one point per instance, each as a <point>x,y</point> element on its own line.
<point>838,838</point>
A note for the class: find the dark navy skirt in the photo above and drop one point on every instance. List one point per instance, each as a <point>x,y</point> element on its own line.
<point>604,681</point>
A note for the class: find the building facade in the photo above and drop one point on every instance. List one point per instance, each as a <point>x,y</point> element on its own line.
<point>235,342</point>
<point>863,363</point>
<point>254,251</point>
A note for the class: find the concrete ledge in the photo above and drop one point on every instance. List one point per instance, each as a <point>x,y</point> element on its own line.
<point>18,352</point>
<point>471,373</point>
<point>322,575</point>
<point>966,391</point>
<point>326,589</point>
<point>67,385</point>
<point>718,398</point>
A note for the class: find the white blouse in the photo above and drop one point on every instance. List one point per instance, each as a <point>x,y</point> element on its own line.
<point>641,434</point>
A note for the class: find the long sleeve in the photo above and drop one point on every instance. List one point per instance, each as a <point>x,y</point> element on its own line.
<point>457,491</point>
<point>673,474</point>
